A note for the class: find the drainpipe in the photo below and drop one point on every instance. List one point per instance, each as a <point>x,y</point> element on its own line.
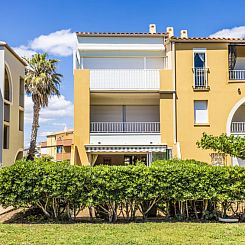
<point>174,93</point>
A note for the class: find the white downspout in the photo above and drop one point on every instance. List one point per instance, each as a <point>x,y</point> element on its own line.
<point>178,149</point>
<point>174,93</point>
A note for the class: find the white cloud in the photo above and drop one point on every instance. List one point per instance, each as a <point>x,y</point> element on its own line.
<point>60,43</point>
<point>23,51</point>
<point>235,32</point>
<point>58,108</point>
<point>45,133</point>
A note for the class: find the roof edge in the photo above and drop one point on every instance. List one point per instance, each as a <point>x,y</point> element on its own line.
<point>4,44</point>
<point>207,39</point>
<point>121,34</point>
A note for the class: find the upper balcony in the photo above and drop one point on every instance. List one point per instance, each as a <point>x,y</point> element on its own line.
<point>125,79</point>
<point>200,78</point>
<point>125,124</point>
<point>237,62</point>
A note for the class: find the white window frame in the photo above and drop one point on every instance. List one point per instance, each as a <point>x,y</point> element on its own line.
<point>199,50</point>
<point>207,111</point>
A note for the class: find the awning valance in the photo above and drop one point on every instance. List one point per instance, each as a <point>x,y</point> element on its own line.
<point>128,148</point>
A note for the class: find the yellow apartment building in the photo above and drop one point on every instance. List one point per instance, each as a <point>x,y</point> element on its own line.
<point>148,96</point>
<point>59,145</point>
<point>12,72</point>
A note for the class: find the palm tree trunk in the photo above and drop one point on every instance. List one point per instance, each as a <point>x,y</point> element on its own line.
<point>35,126</point>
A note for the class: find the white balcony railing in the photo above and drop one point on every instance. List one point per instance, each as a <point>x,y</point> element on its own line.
<point>237,74</point>
<point>200,78</point>
<point>125,79</point>
<point>238,127</point>
<point>125,127</point>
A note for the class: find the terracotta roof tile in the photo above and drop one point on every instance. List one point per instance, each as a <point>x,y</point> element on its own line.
<point>207,39</point>
<point>123,34</point>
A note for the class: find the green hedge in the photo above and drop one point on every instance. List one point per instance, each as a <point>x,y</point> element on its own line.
<point>177,188</point>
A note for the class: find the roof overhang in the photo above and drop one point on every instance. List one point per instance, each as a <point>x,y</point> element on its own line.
<point>207,39</point>
<point>120,34</point>
<point>3,44</point>
<point>125,148</point>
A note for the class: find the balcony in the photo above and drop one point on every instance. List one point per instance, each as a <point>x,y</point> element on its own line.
<point>200,78</point>
<point>237,74</point>
<point>125,79</point>
<point>64,142</point>
<point>236,61</point>
<point>125,127</point>
<point>238,127</point>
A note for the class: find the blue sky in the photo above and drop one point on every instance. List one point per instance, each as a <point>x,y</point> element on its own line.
<point>23,22</point>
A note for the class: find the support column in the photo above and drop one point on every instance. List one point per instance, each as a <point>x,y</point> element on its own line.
<point>166,108</point>
<point>81,116</point>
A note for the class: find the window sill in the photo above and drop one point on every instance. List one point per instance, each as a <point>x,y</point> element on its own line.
<point>201,125</point>
<point>201,89</point>
<point>236,81</point>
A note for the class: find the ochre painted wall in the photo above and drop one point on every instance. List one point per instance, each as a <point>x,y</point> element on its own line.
<point>223,95</point>
<point>81,116</point>
<point>166,107</point>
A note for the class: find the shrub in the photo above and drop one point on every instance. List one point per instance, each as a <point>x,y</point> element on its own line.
<point>179,188</point>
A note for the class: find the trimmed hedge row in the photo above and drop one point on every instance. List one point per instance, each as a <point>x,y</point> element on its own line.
<point>177,188</point>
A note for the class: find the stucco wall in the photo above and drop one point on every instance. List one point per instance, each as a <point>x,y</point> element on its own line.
<point>81,116</point>
<point>16,137</point>
<point>221,97</point>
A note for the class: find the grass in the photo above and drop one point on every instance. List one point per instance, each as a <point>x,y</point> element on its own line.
<point>133,233</point>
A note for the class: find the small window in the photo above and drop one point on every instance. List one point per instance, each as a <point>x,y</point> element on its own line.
<point>21,120</point>
<point>21,92</point>
<point>59,149</point>
<point>6,112</point>
<point>6,85</point>
<point>199,59</point>
<point>6,137</point>
<point>201,111</point>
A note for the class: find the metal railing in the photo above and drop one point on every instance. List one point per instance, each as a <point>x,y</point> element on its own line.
<point>237,74</point>
<point>125,79</point>
<point>238,127</point>
<point>200,78</point>
<point>125,127</point>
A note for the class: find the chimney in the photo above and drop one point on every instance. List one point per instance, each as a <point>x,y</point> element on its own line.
<point>152,28</point>
<point>170,31</point>
<point>184,34</point>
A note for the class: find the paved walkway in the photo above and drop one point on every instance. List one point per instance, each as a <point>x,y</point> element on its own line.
<point>4,210</point>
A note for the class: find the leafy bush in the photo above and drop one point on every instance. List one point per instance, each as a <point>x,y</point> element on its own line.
<point>231,145</point>
<point>183,189</point>
<point>160,163</point>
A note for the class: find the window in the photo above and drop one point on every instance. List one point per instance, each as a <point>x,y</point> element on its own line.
<point>199,68</point>
<point>7,85</point>
<point>6,112</point>
<point>21,120</point>
<point>199,59</point>
<point>6,137</point>
<point>59,149</point>
<point>201,111</point>
<point>21,92</point>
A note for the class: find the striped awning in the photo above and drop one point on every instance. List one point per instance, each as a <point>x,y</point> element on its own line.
<point>126,148</point>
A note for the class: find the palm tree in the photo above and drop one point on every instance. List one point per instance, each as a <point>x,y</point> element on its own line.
<point>41,83</point>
